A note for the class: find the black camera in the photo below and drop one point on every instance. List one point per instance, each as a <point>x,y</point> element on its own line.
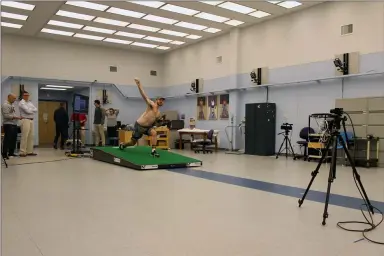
<point>286,126</point>
<point>337,111</point>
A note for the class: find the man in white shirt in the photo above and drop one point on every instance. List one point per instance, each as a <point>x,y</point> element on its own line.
<point>27,112</point>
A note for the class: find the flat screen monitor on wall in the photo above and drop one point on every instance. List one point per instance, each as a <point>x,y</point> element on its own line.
<point>80,104</point>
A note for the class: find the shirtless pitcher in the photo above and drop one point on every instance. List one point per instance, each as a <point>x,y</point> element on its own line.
<point>144,125</point>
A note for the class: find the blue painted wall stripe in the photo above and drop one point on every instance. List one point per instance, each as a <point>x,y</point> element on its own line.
<point>316,196</point>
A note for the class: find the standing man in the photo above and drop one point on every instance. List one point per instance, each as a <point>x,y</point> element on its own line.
<point>111,115</point>
<point>10,126</point>
<point>98,123</point>
<point>27,112</point>
<point>146,122</point>
<point>61,119</point>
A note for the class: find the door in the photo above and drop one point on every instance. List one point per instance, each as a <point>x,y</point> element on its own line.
<point>47,128</point>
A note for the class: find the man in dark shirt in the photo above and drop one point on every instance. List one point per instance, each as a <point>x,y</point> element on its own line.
<point>98,123</point>
<point>61,119</point>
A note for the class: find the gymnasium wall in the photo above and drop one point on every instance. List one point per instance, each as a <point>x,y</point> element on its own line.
<point>44,58</point>
<point>300,46</point>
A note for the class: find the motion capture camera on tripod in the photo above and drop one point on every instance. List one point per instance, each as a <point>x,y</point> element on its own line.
<point>287,141</point>
<point>336,120</point>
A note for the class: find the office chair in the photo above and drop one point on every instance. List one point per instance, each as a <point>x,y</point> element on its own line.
<point>304,134</point>
<point>201,144</point>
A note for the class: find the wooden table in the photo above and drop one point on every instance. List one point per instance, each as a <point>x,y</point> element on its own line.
<point>195,131</point>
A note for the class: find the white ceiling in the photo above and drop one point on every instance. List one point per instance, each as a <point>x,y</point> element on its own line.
<point>171,32</point>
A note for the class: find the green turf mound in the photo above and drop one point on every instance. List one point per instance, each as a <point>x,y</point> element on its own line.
<point>141,155</point>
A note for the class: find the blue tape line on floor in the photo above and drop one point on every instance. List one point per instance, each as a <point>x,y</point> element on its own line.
<point>316,196</point>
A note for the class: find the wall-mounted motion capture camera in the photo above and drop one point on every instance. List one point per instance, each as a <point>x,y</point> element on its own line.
<point>342,66</point>
<point>346,63</point>
<point>197,85</point>
<point>256,76</point>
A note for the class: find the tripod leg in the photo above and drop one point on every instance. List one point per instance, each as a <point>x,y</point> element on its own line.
<point>357,175</point>
<point>277,155</point>
<point>314,173</point>
<point>331,177</point>
<point>293,152</point>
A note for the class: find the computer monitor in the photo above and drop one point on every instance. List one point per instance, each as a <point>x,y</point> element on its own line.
<point>80,104</point>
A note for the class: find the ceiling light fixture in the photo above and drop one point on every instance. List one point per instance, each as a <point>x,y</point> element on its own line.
<point>88,5</point>
<point>153,4</point>
<point>236,7</point>
<point>178,9</point>
<point>259,14</point>
<point>53,89</point>
<point>177,42</point>
<point>234,22</point>
<point>64,24</point>
<point>190,25</point>
<point>274,2</point>
<point>126,34</point>
<point>144,45</point>
<point>111,22</point>
<point>212,30</point>
<point>163,47</point>
<point>13,16</point>
<point>59,86</point>
<point>159,19</point>
<point>57,32</point>
<point>193,37</point>
<point>172,33</point>
<point>13,4</point>
<point>116,41</point>
<point>75,15</point>
<point>289,4</point>
<point>211,17</point>
<point>10,25</point>
<point>99,30</point>
<point>142,27</point>
<point>84,36</point>
<point>211,2</point>
<point>157,39</point>
<point>126,12</point>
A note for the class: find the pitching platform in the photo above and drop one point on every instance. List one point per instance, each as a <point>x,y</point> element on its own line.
<point>139,158</point>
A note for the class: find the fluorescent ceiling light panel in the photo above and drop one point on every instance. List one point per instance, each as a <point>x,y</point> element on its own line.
<point>159,19</point>
<point>177,42</point>
<point>212,30</point>
<point>59,86</point>
<point>163,47</point>
<point>13,16</point>
<point>75,15</point>
<point>53,89</point>
<point>98,38</point>
<point>234,22</point>
<point>193,37</point>
<point>88,5</point>
<point>211,2</point>
<point>179,9</point>
<point>10,25</point>
<point>157,39</point>
<point>259,14</point>
<point>18,5</point>
<point>211,17</point>
<point>144,45</point>
<point>190,25</point>
<point>56,32</point>
<point>116,41</point>
<point>274,2</point>
<point>126,34</point>
<point>172,33</point>
<point>111,22</point>
<point>126,12</point>
<point>142,27</point>
<point>236,7</point>
<point>99,30</point>
<point>289,4</point>
<point>153,4</point>
<point>64,24</point>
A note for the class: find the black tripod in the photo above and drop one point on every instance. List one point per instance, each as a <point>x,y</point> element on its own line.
<point>335,126</point>
<point>286,141</point>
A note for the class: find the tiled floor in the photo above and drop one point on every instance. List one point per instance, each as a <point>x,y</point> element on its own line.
<point>80,207</point>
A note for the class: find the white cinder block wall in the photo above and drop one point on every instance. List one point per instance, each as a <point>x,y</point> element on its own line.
<point>299,46</point>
